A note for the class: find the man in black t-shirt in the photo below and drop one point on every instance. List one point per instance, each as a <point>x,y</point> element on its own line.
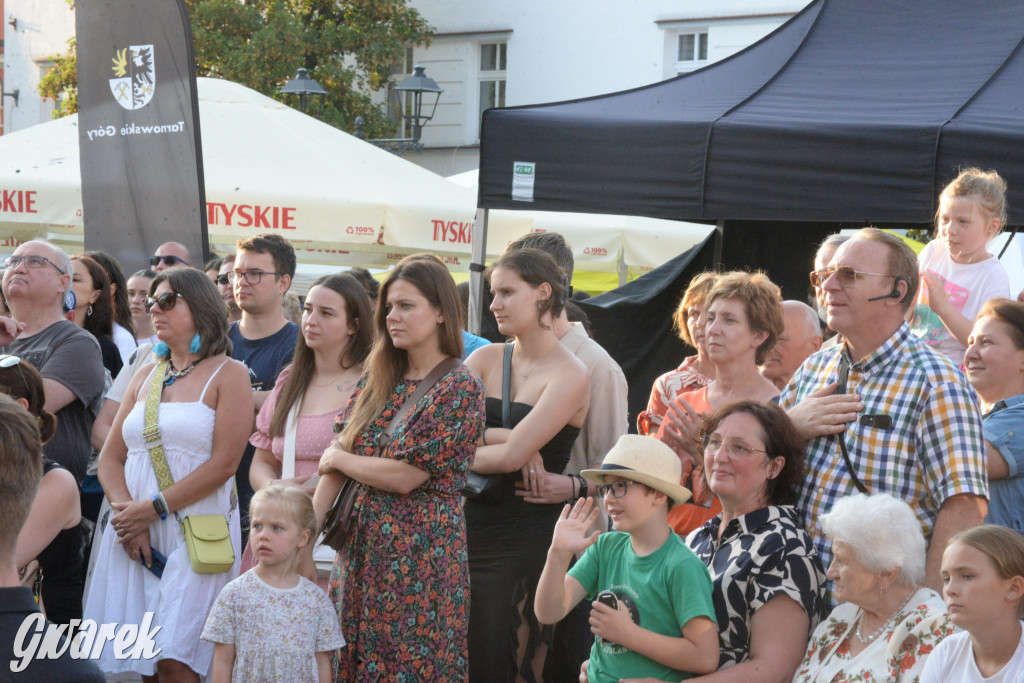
<point>264,340</point>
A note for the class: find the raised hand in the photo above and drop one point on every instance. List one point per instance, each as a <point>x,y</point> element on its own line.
<point>570,535</point>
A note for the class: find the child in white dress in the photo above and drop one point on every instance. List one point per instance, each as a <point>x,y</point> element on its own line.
<point>271,624</point>
<point>983,582</point>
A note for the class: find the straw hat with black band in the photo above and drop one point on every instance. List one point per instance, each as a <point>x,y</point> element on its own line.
<point>645,460</point>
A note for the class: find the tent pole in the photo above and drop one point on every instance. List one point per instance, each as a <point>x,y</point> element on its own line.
<point>622,268</point>
<point>719,238</point>
<point>476,270</point>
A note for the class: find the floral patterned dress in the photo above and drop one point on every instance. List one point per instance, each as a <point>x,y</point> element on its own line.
<point>401,585</point>
<point>897,655</point>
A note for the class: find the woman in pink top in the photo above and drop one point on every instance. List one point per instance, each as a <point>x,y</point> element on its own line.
<point>337,333</point>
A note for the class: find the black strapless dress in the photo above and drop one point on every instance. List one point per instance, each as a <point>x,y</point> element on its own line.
<point>508,541</point>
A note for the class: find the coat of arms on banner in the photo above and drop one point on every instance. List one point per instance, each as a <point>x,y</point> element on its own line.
<point>136,81</point>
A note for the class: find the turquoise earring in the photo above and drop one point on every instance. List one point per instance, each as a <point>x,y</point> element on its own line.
<point>162,350</point>
<point>194,346</point>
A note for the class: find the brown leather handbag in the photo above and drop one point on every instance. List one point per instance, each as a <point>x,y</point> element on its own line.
<point>340,520</point>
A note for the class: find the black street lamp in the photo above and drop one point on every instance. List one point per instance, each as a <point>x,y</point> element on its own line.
<point>415,87</point>
<point>303,86</point>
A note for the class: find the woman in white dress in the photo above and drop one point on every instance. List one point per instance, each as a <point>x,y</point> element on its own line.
<point>205,416</point>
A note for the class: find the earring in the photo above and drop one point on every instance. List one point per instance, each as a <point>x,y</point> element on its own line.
<point>88,311</point>
<point>194,346</point>
<point>162,350</point>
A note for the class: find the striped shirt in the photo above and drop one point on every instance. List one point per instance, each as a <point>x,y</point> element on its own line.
<point>933,450</point>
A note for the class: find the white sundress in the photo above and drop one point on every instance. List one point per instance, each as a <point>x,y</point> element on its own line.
<point>123,590</point>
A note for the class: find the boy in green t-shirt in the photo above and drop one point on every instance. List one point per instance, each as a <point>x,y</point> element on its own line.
<point>663,623</point>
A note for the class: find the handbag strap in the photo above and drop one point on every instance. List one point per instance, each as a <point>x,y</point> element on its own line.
<point>506,386</point>
<point>438,371</point>
<point>151,428</point>
<point>291,428</point>
<point>154,440</point>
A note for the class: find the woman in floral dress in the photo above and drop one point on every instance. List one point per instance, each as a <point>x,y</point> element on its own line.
<point>887,623</point>
<point>401,585</point>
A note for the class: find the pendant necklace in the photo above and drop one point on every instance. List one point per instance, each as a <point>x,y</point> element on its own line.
<point>173,374</point>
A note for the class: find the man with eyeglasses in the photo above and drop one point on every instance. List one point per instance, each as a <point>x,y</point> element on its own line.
<point>883,412</point>
<point>263,339</point>
<point>35,281</point>
<point>170,254</point>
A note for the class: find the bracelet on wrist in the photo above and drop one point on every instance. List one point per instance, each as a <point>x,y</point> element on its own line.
<point>160,505</point>
<point>584,487</point>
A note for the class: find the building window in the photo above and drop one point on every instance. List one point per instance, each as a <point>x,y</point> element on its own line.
<point>692,47</point>
<point>395,106</point>
<point>492,75</point>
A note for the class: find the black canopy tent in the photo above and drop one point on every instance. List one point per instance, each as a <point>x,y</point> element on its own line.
<point>854,112</point>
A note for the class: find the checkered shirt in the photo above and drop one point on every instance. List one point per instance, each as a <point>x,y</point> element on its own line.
<point>934,450</point>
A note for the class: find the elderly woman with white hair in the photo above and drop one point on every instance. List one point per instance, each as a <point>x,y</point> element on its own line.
<point>887,621</point>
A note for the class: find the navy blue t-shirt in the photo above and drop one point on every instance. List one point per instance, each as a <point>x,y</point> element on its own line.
<point>265,359</point>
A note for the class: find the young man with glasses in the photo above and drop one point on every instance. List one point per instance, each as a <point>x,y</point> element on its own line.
<point>263,339</point>
<point>35,281</point>
<point>170,254</point>
<point>652,613</point>
<point>908,421</point>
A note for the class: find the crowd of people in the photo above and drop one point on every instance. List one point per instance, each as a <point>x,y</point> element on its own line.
<point>820,493</point>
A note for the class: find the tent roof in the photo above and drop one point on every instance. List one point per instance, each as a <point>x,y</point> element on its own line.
<point>853,111</point>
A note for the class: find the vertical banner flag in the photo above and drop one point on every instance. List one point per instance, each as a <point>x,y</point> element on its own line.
<point>138,130</point>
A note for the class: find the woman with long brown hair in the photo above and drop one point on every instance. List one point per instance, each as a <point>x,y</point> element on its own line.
<point>401,583</point>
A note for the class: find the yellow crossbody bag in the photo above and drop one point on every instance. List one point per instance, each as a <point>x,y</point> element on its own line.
<point>207,537</point>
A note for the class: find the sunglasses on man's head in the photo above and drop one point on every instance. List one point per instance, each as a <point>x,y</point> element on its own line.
<point>165,301</point>
<point>169,260</point>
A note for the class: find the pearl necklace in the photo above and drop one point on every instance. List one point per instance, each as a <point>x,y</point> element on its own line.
<point>871,637</point>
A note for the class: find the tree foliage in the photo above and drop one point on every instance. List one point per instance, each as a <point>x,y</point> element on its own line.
<point>348,47</point>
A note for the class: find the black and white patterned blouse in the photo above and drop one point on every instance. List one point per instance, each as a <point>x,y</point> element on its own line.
<point>762,554</point>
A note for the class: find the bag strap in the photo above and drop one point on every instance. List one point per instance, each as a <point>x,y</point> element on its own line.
<point>438,371</point>
<point>506,386</point>
<point>151,428</point>
<point>844,373</point>
<point>154,439</point>
<point>291,427</point>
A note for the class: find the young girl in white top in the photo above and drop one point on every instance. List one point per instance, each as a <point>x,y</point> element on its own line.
<point>958,274</point>
<point>271,624</point>
<point>983,582</point>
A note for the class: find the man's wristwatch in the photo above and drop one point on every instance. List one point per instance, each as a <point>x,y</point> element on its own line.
<point>584,486</point>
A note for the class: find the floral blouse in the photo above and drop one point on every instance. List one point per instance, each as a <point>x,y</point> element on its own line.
<point>674,382</point>
<point>898,654</point>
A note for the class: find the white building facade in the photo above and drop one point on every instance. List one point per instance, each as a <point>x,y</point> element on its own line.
<point>484,53</point>
<point>489,53</point>
<point>34,31</point>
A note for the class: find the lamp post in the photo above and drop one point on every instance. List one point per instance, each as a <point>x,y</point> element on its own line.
<point>303,86</point>
<point>415,87</point>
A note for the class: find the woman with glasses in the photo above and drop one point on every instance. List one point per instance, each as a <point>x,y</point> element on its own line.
<point>548,394</point>
<point>742,323</point>
<point>203,411</point>
<point>53,534</point>
<point>768,583</point>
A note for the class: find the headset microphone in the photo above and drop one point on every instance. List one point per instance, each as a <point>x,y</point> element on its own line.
<point>894,294</point>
